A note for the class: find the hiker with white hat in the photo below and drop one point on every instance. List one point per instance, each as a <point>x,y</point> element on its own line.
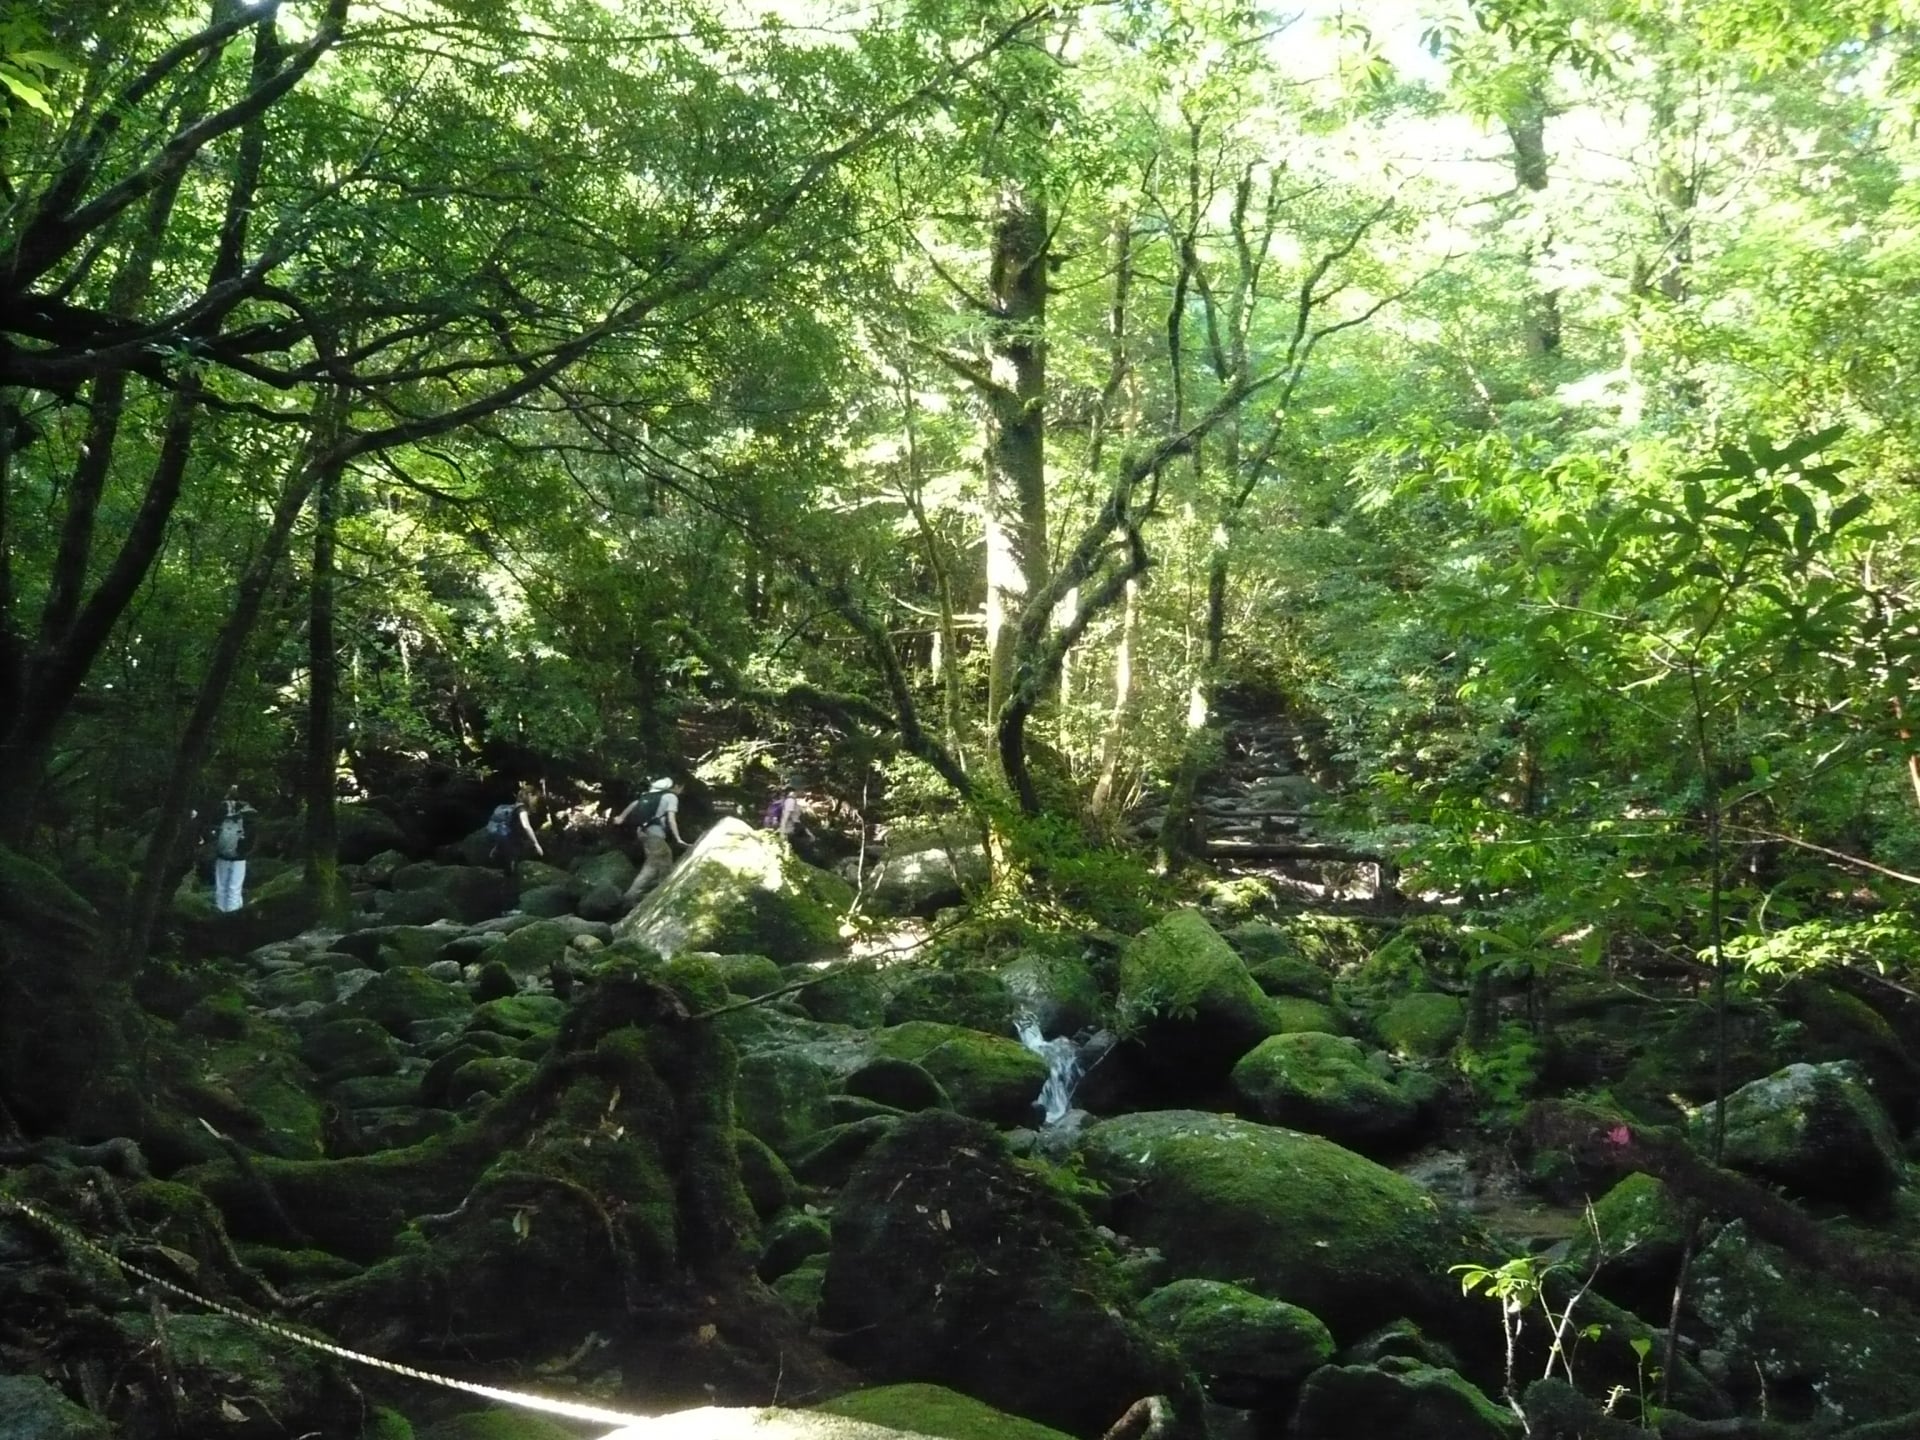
<point>659,815</point>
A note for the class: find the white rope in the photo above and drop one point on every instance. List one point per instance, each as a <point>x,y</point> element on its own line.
<point>571,1409</point>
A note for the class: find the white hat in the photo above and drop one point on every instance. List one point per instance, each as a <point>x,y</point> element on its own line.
<point>665,782</point>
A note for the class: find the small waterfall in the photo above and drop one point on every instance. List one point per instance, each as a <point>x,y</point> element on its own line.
<point>1063,1067</point>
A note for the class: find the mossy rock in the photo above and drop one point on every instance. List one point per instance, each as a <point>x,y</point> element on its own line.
<point>385,1424</point>
<point>989,1077</point>
<point>789,1241</point>
<point>900,1084</point>
<point>1247,1347</point>
<point>1814,1130</point>
<point>1295,1016</point>
<point>365,833</point>
<point>976,999</point>
<point>531,950</point>
<point>605,867</point>
<point>952,1264</point>
<point>849,997</point>
<point>1822,1343</point>
<point>340,1049</point>
<point>365,1092</point>
<point>781,1096</point>
<point>1286,1215</point>
<point>260,1072</point>
<point>399,998</point>
<point>1060,991</point>
<point>1323,1084</point>
<point>382,947</point>
<point>489,1075</point>
<point>828,1157</point>
<point>546,901</point>
<point>801,1286</point>
<point>31,1409</point>
<point>223,1015</point>
<point>1675,1054</point>
<point>1422,1026</point>
<point>1837,1025</point>
<point>519,1016</point>
<point>769,1184</point>
<point>1189,998</point>
<point>749,975</point>
<point>741,890</point>
<point>1287,959</point>
<point>301,985</point>
<point>1398,1397</point>
<point>1642,1236</point>
<point>937,1411</point>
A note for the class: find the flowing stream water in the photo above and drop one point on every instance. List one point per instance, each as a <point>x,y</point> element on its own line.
<point>1062,1055</point>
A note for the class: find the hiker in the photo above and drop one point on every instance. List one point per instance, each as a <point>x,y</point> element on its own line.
<point>232,843</point>
<point>658,813</point>
<point>782,813</point>
<point>511,829</point>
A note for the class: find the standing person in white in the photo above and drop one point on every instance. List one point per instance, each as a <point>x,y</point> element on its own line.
<point>659,814</point>
<point>232,842</point>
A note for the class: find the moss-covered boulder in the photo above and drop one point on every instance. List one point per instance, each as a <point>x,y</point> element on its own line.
<point>841,997</point>
<point>1188,997</point>
<point>977,999</point>
<point>1422,1026</point>
<point>1823,1344</point>
<point>990,1077</point>
<point>1246,1348</point>
<point>532,950</point>
<point>487,1075</point>
<point>603,867</point>
<point>381,947</point>
<point>278,1113</point>
<point>1295,1016</point>
<point>223,1368</point>
<point>750,975</point>
<point>1814,1130</point>
<point>937,1411</point>
<point>1286,1215</point>
<point>498,1424</point>
<point>830,1157</point>
<point>31,1409</point>
<point>519,1016</point>
<point>900,1084</point>
<point>1835,1024</point>
<point>769,1184</point>
<point>399,998</point>
<point>341,1049</point>
<point>1637,1240</point>
<point>1285,959</point>
<point>953,1264</point>
<point>781,1097</point>
<point>1322,1084</point>
<point>789,1241</point>
<point>1059,991</point>
<point>742,890</point>
<point>366,832</point>
<point>423,893</point>
<point>1398,1397</point>
<point>923,881</point>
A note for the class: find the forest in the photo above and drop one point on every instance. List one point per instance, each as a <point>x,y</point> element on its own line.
<point>1334,584</point>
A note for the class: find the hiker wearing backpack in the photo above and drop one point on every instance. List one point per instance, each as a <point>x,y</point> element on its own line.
<point>232,843</point>
<point>658,815</point>
<point>511,829</point>
<point>782,813</point>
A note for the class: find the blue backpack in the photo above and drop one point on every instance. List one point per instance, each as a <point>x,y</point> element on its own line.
<point>500,823</point>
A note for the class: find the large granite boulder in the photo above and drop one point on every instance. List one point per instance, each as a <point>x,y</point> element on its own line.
<point>923,881</point>
<point>991,1077</point>
<point>423,893</point>
<point>741,890</point>
<point>1289,1216</point>
<point>1194,1008</point>
<point>953,1264</point>
<point>1813,1130</point>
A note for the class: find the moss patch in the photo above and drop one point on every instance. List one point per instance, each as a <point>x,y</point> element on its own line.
<point>936,1410</point>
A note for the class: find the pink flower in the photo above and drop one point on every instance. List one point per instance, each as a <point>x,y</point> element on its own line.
<point>1619,1136</point>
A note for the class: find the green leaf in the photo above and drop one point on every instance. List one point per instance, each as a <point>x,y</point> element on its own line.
<point>1695,496</point>
<point>1798,450</point>
<point>1848,511</point>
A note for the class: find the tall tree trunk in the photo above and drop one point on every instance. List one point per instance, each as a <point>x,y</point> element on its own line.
<point>1526,124</point>
<point>1016,509</point>
<point>322,835</point>
<point>167,843</point>
<point>54,682</point>
<point>1119,715</point>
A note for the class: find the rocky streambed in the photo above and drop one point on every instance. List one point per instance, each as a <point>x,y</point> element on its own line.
<point>693,1155</point>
